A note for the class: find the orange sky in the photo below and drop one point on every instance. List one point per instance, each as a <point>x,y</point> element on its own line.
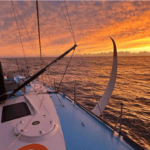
<point>93,23</point>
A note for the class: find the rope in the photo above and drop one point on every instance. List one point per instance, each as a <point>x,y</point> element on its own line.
<point>17,66</point>
<point>30,39</point>
<point>65,71</point>
<point>32,45</point>
<point>26,30</point>
<point>70,22</point>
<point>71,30</point>
<point>70,27</point>
<point>20,37</point>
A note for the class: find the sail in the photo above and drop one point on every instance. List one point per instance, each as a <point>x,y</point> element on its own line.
<point>99,108</point>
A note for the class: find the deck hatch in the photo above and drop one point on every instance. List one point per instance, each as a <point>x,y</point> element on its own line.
<point>15,111</point>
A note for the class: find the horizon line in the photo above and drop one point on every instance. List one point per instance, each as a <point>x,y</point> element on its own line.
<point>121,53</point>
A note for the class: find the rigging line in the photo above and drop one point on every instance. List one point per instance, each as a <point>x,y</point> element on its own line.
<point>20,37</point>
<point>67,22</point>
<point>65,70</point>
<point>30,39</point>
<point>90,82</point>
<point>28,35</point>
<point>26,31</point>
<point>42,70</point>
<point>17,66</point>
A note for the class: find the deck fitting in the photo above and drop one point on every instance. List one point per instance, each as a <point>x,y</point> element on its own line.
<point>21,122</point>
<point>83,124</point>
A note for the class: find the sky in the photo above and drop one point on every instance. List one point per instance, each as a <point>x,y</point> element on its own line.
<point>93,23</point>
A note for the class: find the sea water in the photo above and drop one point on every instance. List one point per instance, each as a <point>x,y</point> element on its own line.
<point>86,79</point>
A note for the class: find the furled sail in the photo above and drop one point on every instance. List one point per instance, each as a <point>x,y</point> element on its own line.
<point>99,108</point>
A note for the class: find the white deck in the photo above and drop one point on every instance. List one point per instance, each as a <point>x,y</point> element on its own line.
<point>48,132</point>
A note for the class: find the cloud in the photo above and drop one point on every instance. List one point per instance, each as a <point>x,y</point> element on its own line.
<point>93,23</point>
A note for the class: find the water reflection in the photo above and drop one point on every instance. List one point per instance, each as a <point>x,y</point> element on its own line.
<point>131,89</point>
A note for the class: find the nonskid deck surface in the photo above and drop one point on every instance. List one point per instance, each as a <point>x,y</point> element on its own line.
<point>82,131</point>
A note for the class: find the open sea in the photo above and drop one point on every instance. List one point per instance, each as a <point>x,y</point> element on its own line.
<point>86,79</point>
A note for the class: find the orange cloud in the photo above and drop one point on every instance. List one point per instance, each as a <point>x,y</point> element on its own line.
<point>93,23</point>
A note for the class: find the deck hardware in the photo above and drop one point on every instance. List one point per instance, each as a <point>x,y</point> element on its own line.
<point>119,118</point>
<point>44,115</point>
<point>83,124</point>
<point>50,121</point>
<point>54,85</point>
<point>35,122</point>
<point>60,100</point>
<point>74,93</point>
<point>16,134</point>
<point>40,132</point>
<point>21,122</point>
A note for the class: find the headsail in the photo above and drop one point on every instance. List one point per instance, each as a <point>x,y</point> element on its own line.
<point>99,108</point>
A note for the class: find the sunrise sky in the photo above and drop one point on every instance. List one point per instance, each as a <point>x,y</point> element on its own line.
<point>93,23</point>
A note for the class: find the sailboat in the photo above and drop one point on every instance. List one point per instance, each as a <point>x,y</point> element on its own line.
<point>37,117</point>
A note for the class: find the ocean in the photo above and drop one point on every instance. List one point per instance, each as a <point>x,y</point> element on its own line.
<point>86,79</point>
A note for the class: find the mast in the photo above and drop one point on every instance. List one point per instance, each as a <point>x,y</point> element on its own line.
<point>37,8</point>
<point>2,85</point>
<point>42,69</point>
<point>38,21</point>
